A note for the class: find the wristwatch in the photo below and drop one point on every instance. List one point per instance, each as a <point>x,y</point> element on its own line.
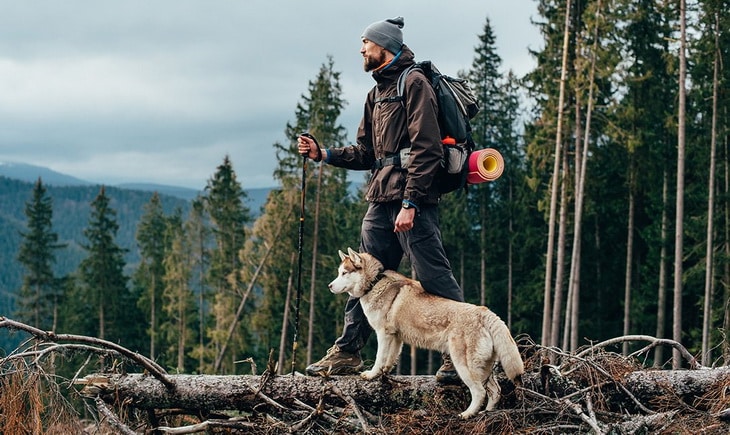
<point>407,204</point>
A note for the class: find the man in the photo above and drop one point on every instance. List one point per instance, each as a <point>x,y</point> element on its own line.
<point>402,215</point>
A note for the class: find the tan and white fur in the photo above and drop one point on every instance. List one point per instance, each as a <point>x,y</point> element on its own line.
<point>399,311</point>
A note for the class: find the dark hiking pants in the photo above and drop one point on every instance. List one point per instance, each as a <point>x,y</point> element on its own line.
<point>423,247</point>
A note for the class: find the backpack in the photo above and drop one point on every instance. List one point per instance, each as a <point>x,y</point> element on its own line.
<point>457,105</point>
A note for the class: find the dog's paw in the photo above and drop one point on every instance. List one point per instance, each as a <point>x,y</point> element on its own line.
<point>467,414</point>
<point>369,375</point>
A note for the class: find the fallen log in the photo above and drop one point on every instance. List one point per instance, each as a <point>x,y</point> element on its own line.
<point>247,392</point>
<point>648,384</point>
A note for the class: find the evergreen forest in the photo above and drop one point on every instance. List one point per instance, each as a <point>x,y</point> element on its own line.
<point>612,216</point>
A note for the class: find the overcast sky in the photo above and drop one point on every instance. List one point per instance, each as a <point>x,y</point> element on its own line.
<point>161,91</point>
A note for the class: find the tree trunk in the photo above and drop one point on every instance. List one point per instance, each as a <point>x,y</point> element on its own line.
<point>510,260</point>
<point>581,165</point>
<point>483,254</point>
<point>709,267</point>
<point>547,306</point>
<point>285,319</point>
<point>679,226</point>
<point>560,262</point>
<point>662,288</point>
<point>629,257</point>
<point>153,318</point>
<point>726,272</point>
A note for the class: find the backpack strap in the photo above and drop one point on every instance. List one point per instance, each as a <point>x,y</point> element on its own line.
<point>394,99</point>
<point>400,87</point>
<point>402,79</point>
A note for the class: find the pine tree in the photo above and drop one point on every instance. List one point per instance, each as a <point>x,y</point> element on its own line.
<point>485,80</point>
<point>178,299</point>
<point>148,276</point>
<point>229,216</point>
<point>108,302</point>
<point>198,234</point>
<point>41,290</point>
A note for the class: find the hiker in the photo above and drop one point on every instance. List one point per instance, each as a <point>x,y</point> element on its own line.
<point>402,214</point>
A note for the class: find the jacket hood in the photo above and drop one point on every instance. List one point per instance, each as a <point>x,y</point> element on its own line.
<point>392,71</point>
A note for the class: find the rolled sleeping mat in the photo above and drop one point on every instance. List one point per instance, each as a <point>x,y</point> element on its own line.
<point>485,165</point>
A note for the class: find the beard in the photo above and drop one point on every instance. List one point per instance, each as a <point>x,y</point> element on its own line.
<point>371,63</point>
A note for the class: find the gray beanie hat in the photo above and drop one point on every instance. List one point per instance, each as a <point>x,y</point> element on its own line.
<point>386,34</point>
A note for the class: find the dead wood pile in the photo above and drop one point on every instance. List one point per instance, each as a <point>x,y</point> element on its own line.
<point>591,391</point>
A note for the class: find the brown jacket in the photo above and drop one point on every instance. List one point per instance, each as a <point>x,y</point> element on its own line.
<point>387,127</point>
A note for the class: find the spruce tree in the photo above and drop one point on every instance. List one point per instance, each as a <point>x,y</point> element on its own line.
<point>178,299</point>
<point>198,234</point>
<point>148,277</point>
<point>41,290</point>
<point>486,80</point>
<point>229,216</point>
<point>107,306</point>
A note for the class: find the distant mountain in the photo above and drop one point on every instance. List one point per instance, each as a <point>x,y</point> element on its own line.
<point>176,191</point>
<point>31,173</point>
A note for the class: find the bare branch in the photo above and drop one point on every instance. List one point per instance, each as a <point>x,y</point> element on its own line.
<point>112,418</point>
<point>154,369</point>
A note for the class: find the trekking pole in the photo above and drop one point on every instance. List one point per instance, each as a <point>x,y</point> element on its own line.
<point>300,250</point>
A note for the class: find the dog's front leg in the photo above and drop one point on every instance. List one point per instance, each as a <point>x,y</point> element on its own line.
<point>386,344</point>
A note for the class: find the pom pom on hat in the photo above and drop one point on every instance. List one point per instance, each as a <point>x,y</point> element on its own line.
<point>386,34</point>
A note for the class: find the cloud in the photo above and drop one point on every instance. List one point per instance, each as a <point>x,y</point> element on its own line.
<point>161,91</point>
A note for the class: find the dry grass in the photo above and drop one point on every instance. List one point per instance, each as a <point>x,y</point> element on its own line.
<point>30,404</point>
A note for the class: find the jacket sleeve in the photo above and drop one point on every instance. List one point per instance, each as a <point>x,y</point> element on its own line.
<point>425,138</point>
<point>361,155</point>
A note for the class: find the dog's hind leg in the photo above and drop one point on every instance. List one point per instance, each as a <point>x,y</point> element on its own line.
<point>493,392</point>
<point>473,377</point>
<point>478,393</point>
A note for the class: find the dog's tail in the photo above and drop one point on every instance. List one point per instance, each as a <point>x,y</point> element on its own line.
<point>506,348</point>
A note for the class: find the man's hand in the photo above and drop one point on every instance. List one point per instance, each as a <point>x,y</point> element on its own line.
<point>405,220</point>
<point>308,147</point>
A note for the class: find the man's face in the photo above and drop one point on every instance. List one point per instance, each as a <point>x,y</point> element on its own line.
<point>373,55</point>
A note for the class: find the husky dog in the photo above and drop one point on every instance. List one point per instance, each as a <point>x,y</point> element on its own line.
<point>399,311</point>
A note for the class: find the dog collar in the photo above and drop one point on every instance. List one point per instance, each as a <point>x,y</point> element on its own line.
<point>377,279</point>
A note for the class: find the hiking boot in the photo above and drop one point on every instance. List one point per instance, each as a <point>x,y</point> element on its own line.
<point>336,362</point>
<point>446,374</point>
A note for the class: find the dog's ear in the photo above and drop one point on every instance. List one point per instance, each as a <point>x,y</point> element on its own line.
<point>342,254</point>
<point>355,258</point>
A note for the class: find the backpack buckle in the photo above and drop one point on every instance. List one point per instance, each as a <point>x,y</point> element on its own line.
<point>402,159</point>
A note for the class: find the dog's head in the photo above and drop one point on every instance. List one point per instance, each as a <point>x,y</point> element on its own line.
<point>356,274</point>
